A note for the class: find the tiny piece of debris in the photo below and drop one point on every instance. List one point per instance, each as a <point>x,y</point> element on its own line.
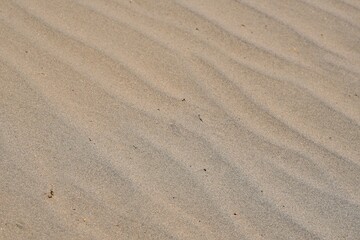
<point>135,147</point>
<point>197,29</point>
<point>235,214</point>
<point>204,169</point>
<point>183,100</point>
<point>90,139</point>
<point>243,25</point>
<point>200,117</point>
<point>19,226</point>
<point>51,194</point>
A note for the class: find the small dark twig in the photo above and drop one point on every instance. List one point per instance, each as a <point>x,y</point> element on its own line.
<point>200,117</point>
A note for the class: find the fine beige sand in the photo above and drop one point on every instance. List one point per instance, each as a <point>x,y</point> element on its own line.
<point>183,119</point>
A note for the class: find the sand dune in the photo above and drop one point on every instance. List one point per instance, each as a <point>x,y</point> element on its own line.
<point>157,119</point>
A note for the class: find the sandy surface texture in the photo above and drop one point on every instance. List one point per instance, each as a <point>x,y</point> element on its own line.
<point>183,119</point>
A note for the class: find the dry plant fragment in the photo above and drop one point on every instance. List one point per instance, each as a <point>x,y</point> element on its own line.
<point>51,194</point>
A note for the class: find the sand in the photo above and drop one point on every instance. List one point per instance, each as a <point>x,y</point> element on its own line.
<point>187,119</point>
